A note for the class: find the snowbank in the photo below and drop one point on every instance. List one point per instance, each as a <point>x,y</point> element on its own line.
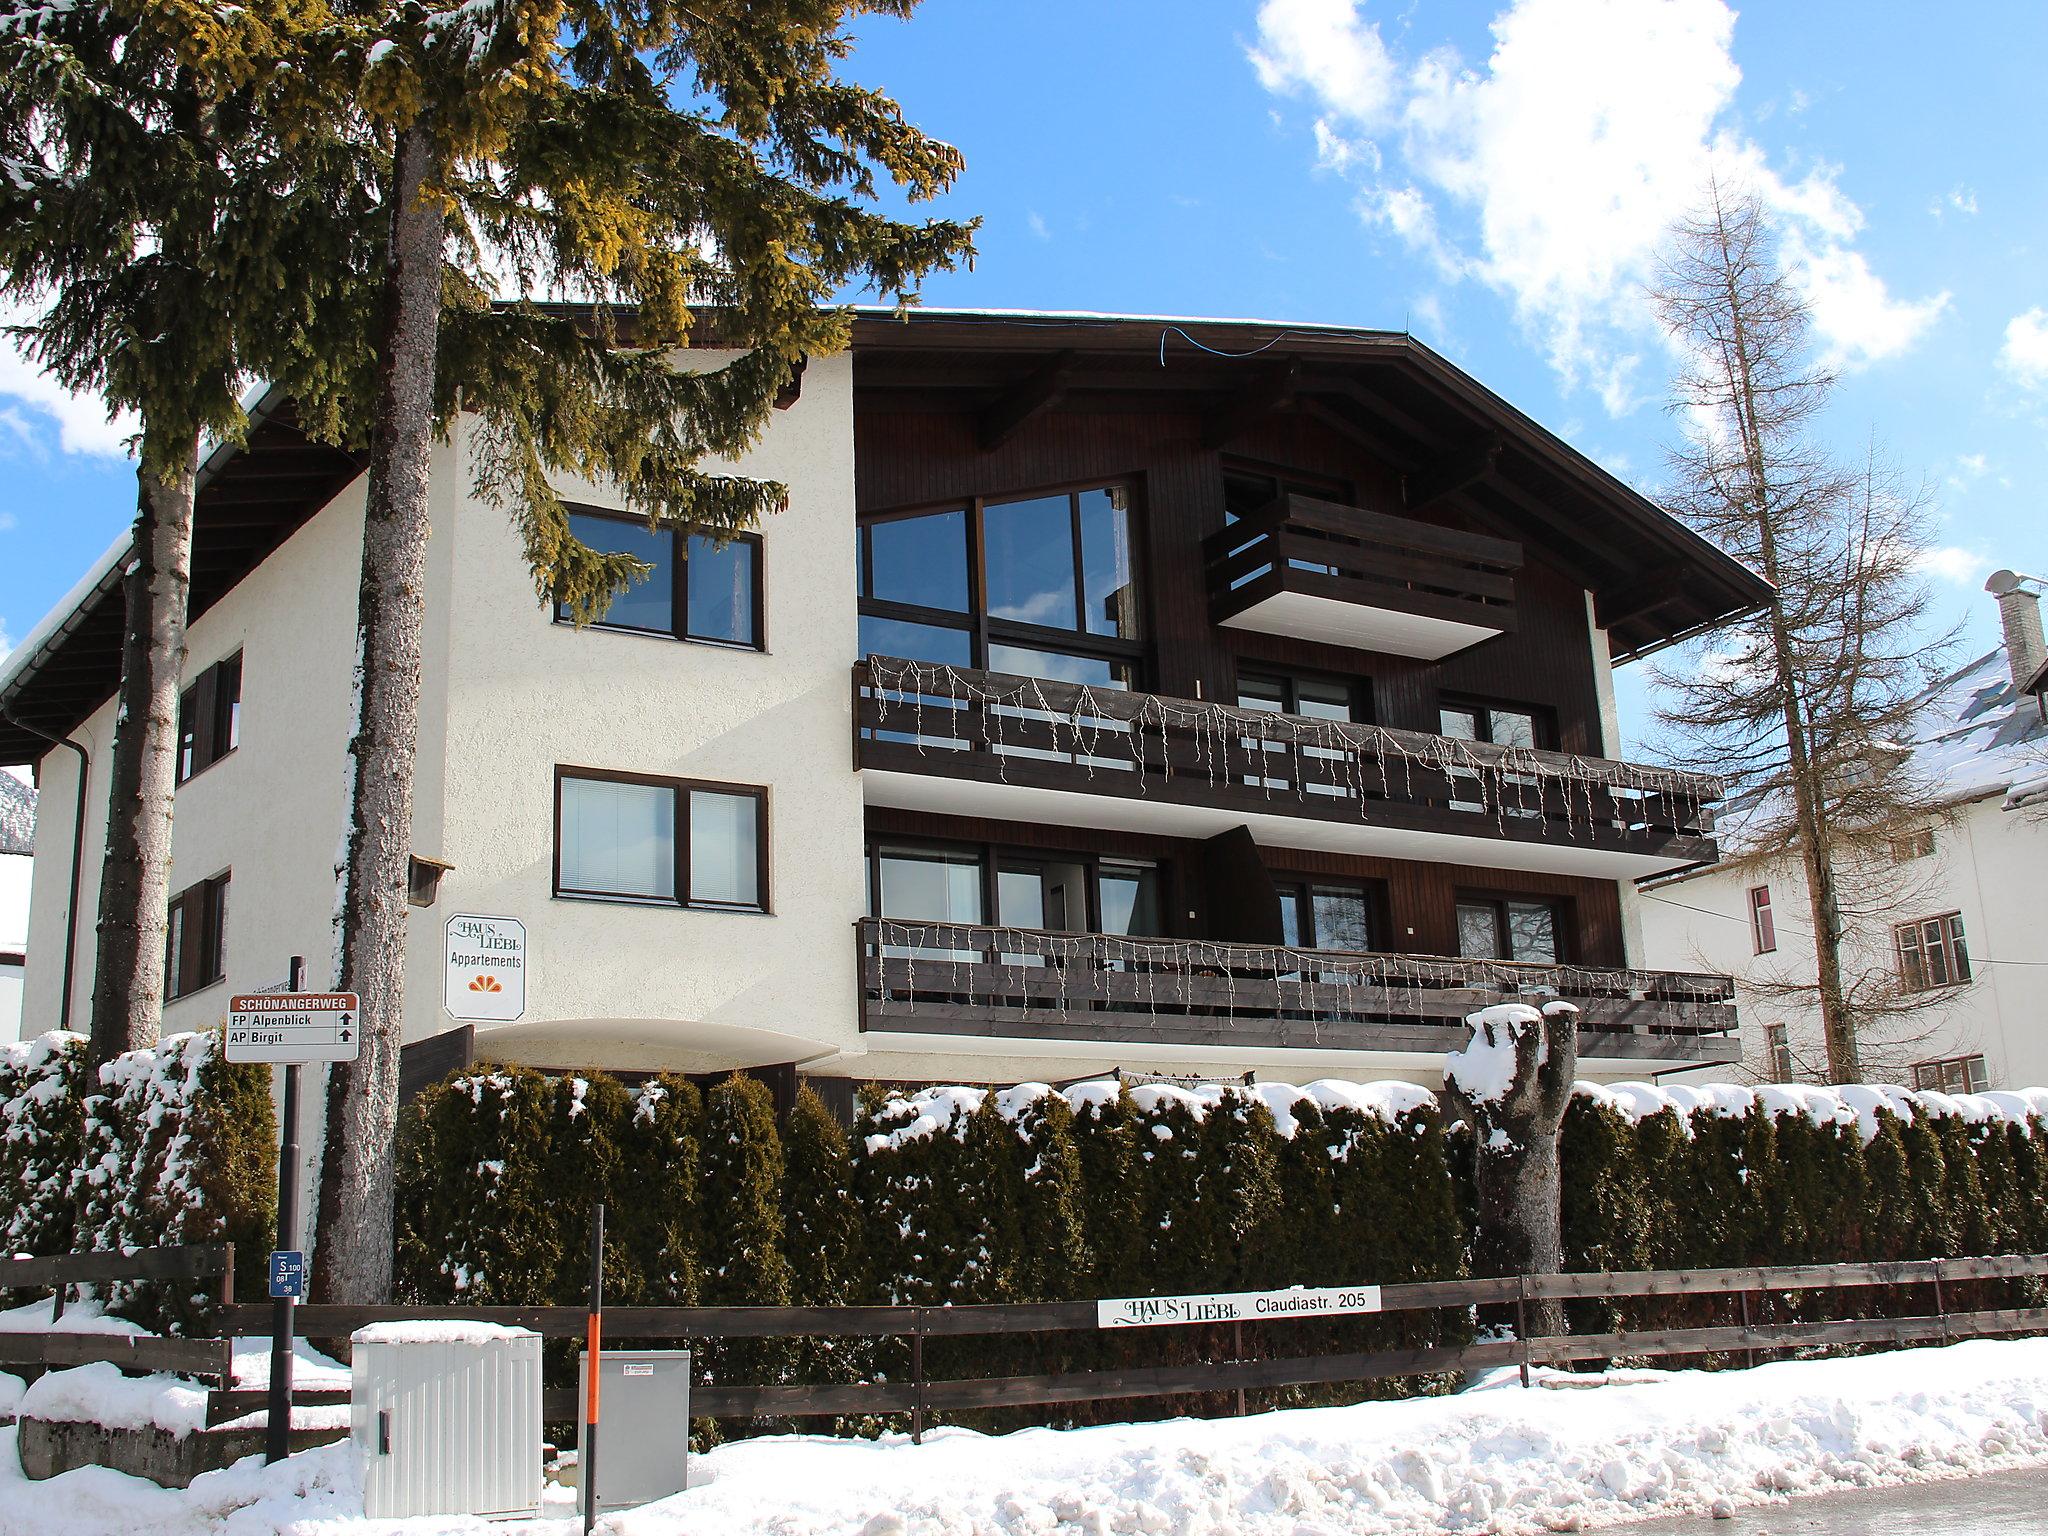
<point>1856,1105</point>
<point>1499,1460</point>
<point>100,1394</point>
<point>437,1331</point>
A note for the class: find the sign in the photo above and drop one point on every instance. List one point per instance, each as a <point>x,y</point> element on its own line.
<point>486,981</point>
<point>292,1027</point>
<point>1235,1306</point>
<point>288,1274</point>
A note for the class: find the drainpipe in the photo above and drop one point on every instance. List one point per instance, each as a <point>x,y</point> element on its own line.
<point>77,854</point>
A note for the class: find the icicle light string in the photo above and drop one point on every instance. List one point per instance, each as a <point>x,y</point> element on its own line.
<point>989,964</point>
<point>1276,753</point>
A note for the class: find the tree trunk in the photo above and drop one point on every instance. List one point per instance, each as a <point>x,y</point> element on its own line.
<point>1515,1128</point>
<point>135,878</point>
<point>353,1253</point>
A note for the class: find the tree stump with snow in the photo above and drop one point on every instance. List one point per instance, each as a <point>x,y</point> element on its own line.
<point>1513,1083</point>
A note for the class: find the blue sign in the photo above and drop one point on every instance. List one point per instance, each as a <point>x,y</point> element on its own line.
<point>288,1274</point>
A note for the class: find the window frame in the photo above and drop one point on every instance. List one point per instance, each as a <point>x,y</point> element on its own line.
<point>682,788</point>
<point>208,716</point>
<point>1562,914</point>
<point>1542,717</point>
<point>679,582</point>
<point>991,856</point>
<point>1291,885</point>
<point>984,629</point>
<point>1778,1052</point>
<point>196,958</point>
<point>1763,922</point>
<point>1976,1075</point>
<point>1915,844</point>
<point>1953,942</point>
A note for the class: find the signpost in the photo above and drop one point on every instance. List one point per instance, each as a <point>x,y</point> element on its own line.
<point>1236,1306</point>
<point>290,1027</point>
<point>486,970</point>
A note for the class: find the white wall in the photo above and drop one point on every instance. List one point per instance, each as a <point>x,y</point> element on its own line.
<point>1987,866</point>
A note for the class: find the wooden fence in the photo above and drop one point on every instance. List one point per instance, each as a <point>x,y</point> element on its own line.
<point>920,1398</point>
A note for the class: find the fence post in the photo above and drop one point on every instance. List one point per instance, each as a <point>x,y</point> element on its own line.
<point>917,1375</point>
<point>1749,1351</point>
<point>1522,1322</point>
<point>1940,1301</point>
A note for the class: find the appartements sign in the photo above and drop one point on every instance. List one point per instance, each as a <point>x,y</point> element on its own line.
<point>1235,1306</point>
<point>486,978</point>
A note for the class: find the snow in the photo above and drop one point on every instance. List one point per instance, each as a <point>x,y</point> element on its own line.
<point>99,1394</point>
<point>1576,1452</point>
<point>1485,1069</point>
<point>1855,1104</point>
<point>87,1316</point>
<point>439,1331</point>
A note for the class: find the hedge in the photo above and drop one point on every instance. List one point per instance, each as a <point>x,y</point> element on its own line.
<point>173,1145</point>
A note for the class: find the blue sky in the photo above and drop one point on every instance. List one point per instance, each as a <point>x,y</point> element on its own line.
<point>1491,176</point>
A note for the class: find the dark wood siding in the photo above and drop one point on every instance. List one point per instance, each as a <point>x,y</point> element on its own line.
<point>908,458</point>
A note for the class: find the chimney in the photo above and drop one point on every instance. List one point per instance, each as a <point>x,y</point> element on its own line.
<point>2019,611</point>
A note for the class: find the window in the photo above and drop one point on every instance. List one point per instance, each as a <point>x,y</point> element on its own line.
<point>1932,953</point>
<point>1509,928</point>
<point>1507,725</point>
<point>1952,1074</point>
<point>1324,770</point>
<point>1778,1052</point>
<point>632,838</point>
<point>1325,916</point>
<point>1070,893</point>
<point>712,594</point>
<point>1042,586</point>
<point>1917,844</point>
<point>1763,928</point>
<point>210,717</point>
<point>195,940</point>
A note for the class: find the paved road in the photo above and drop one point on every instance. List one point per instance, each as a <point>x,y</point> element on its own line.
<point>2001,1504</point>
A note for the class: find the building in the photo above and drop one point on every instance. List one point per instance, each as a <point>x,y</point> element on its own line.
<point>17,847</point>
<point>1950,919</point>
<point>1193,698</point>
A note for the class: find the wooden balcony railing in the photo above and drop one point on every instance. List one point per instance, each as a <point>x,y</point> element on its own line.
<point>964,979</point>
<point>1323,549</point>
<point>931,718</point>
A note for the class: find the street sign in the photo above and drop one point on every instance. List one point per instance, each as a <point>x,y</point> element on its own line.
<point>288,1274</point>
<point>294,1027</point>
<point>486,975</point>
<point>1236,1306</point>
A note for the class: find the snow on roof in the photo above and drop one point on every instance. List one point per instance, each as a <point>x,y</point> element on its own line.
<point>31,644</point>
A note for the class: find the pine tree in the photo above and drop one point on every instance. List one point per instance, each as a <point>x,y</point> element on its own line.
<point>155,227</point>
<point>660,1223</point>
<point>823,1233</point>
<point>745,1255</point>
<point>549,135</point>
<point>1801,706</point>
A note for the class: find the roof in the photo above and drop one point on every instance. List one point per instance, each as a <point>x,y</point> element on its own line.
<point>1655,581</point>
<point>17,816</point>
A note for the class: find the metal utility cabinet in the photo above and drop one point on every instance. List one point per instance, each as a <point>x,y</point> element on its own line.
<point>446,1419</point>
<point>645,1429</point>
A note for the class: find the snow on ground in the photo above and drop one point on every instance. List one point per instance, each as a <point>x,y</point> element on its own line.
<point>1496,1459</point>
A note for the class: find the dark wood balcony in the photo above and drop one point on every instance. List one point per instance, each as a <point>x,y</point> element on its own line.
<point>1018,983</point>
<point>1318,570</point>
<point>950,740</point>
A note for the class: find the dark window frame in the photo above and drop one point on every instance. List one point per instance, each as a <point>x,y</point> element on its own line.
<point>984,629</point>
<point>1563,919</point>
<point>1910,944</point>
<point>1290,884</point>
<point>1542,717</point>
<point>195,938</point>
<point>1763,922</point>
<point>209,719</point>
<point>679,583</point>
<point>991,856</point>
<point>1778,1052</point>
<point>1290,680</point>
<point>1937,1072</point>
<point>1304,482</point>
<point>763,906</point>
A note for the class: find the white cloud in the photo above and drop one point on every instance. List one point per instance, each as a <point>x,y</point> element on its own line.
<point>1959,197</point>
<point>1553,170</point>
<point>1038,225</point>
<point>2025,353</point>
<point>42,404</point>
<point>1963,567</point>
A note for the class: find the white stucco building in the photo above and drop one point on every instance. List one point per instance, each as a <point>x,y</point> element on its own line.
<point>737,834</point>
<point>1954,919</point>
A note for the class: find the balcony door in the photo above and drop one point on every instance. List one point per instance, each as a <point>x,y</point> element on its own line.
<point>1057,893</point>
<point>1510,928</point>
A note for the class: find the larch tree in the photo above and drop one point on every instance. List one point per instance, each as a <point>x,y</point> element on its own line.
<point>694,176</point>
<point>150,223</point>
<point>1805,706</point>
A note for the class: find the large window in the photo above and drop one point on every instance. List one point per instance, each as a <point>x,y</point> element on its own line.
<point>697,588</point>
<point>1326,915</point>
<point>1932,953</point>
<point>210,717</point>
<point>1505,725</point>
<point>195,939</point>
<point>1510,928</point>
<point>1952,1074</point>
<point>1044,586</point>
<point>1323,770</point>
<point>1763,927</point>
<point>963,883</point>
<point>632,837</point>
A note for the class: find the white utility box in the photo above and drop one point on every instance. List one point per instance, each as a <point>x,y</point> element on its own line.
<point>446,1419</point>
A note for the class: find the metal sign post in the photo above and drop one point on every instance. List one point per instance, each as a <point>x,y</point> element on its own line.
<point>586,1469</point>
<point>288,1028</point>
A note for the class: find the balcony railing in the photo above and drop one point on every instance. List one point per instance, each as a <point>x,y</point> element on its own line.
<point>1032,733</point>
<point>964,979</point>
<point>1321,570</point>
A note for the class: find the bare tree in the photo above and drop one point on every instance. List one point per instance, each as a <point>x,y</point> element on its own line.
<point>1805,707</point>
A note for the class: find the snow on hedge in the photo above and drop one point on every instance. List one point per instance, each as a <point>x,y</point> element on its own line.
<point>1857,1104</point>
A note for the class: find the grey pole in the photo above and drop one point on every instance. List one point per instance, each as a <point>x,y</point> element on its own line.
<point>277,1434</point>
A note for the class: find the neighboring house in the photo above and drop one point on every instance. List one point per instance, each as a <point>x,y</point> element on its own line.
<point>1112,693</point>
<point>1956,907</point>
<point>17,847</point>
